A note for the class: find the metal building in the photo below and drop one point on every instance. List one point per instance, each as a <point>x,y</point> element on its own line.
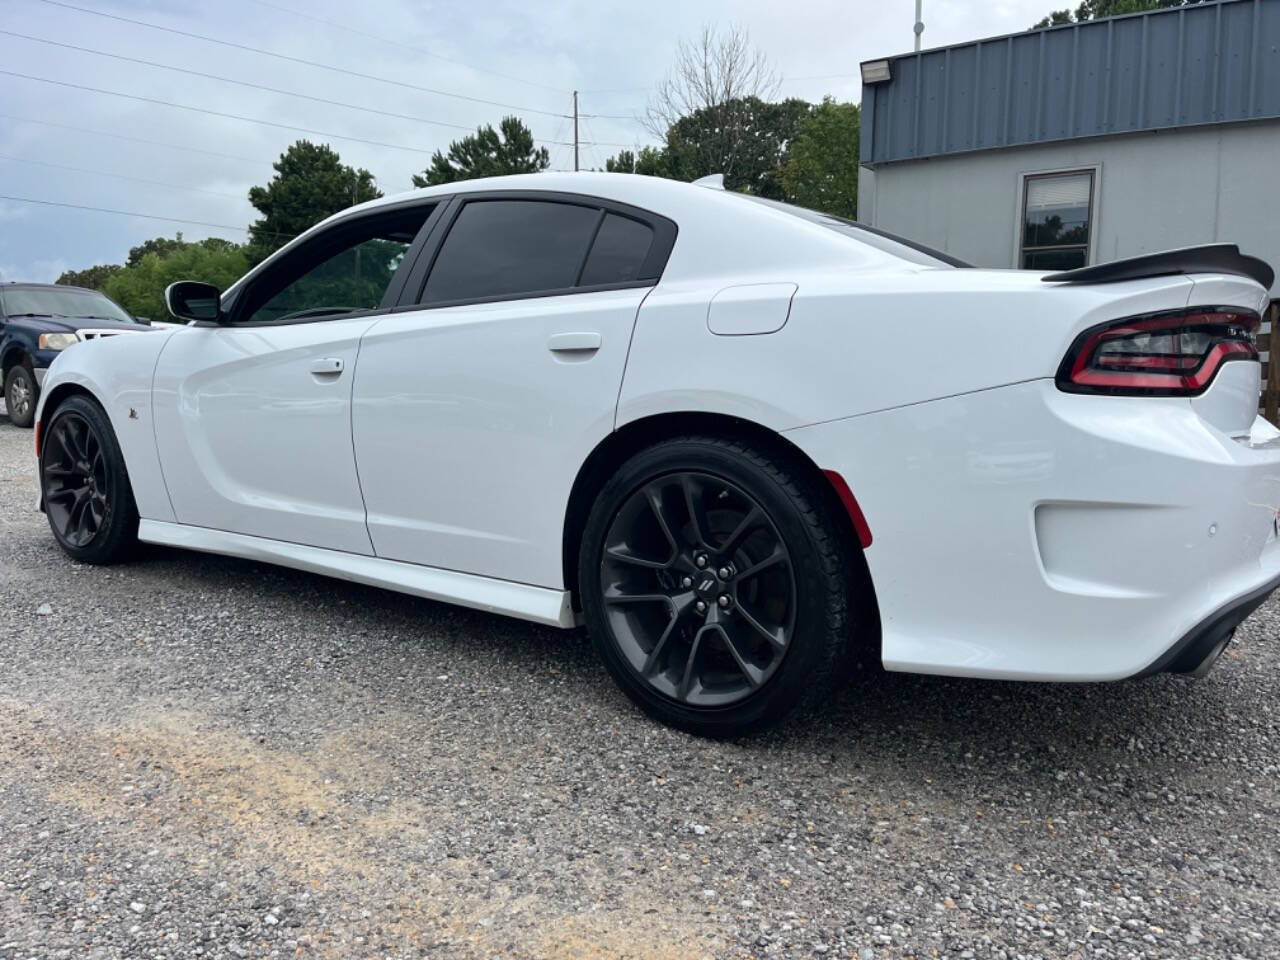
<point>1054,148</point>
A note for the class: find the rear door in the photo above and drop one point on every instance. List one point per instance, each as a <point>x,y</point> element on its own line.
<point>478,400</point>
<point>253,417</point>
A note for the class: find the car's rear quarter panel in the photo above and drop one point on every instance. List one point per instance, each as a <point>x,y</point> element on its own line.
<point>865,337</point>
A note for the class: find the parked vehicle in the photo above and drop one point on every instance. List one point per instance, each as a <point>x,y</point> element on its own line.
<point>39,320</point>
<point>734,438</point>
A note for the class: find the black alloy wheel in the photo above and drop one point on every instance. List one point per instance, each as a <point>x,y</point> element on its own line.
<point>75,480</point>
<point>20,395</point>
<point>715,583</point>
<point>698,588</point>
<point>86,491</point>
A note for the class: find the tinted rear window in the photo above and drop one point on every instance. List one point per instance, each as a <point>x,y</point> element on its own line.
<point>619,251</point>
<point>504,248</point>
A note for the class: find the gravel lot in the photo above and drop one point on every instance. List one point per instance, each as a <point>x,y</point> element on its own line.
<point>210,757</point>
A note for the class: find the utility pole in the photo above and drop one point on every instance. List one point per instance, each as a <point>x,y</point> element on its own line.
<point>919,26</point>
<point>575,128</point>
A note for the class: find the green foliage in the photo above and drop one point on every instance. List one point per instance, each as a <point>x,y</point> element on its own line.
<point>791,150</point>
<point>94,278</point>
<point>649,162</point>
<point>1098,9</point>
<point>745,139</point>
<point>311,183</point>
<point>821,167</point>
<point>487,153</point>
<point>139,287</point>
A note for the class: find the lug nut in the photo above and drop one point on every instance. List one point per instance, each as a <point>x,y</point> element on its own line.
<point>723,601</point>
<point>723,573</point>
<point>700,560</point>
<point>686,582</point>
<point>700,607</point>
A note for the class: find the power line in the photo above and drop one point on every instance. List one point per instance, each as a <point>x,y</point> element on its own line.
<point>405,46</point>
<point>219,113</point>
<point>121,176</point>
<point>594,116</point>
<point>242,83</point>
<point>290,59</point>
<point>121,136</point>
<point>142,216</point>
<point>236,116</point>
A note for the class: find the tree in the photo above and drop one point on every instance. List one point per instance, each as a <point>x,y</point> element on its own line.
<point>715,86</point>
<point>821,168</point>
<point>94,277</point>
<point>758,150</point>
<point>487,153</point>
<point>648,162</point>
<point>139,287</point>
<point>311,183</point>
<point>161,246</point>
<point>1098,9</point>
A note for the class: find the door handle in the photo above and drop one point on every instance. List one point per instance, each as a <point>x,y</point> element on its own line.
<point>584,342</point>
<point>327,367</point>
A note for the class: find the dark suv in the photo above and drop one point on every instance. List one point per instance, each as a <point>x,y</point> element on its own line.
<point>37,320</point>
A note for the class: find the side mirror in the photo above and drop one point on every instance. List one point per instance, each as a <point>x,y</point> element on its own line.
<point>191,300</point>
<point>145,321</point>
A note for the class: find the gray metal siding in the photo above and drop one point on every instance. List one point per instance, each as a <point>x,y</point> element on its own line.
<point>1209,63</point>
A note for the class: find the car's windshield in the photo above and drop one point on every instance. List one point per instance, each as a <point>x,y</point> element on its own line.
<point>887,242</point>
<point>68,302</point>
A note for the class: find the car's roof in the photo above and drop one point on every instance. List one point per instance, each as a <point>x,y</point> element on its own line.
<point>721,233</point>
<point>622,187</point>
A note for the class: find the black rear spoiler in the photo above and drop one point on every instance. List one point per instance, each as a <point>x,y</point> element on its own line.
<point>1211,258</point>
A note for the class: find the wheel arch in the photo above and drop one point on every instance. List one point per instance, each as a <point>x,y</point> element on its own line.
<point>13,355</point>
<point>632,437</point>
<point>59,393</point>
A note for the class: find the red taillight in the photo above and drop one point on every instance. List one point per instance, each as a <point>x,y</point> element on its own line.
<point>39,433</point>
<point>1160,355</point>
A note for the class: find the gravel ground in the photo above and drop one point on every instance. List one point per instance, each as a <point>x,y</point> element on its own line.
<point>205,757</point>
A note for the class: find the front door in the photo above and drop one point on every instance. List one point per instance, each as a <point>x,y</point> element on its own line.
<point>253,417</point>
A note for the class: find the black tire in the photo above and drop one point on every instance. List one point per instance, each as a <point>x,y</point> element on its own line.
<point>787,649</point>
<point>21,393</point>
<point>87,497</point>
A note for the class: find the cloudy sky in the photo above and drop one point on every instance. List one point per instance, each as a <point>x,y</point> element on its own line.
<point>63,143</point>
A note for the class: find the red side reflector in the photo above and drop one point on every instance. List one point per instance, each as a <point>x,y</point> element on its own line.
<point>851,507</point>
<point>39,432</point>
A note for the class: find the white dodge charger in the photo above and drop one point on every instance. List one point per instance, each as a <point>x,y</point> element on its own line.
<point>739,440</point>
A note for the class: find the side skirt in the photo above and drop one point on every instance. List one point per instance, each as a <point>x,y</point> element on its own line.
<point>538,604</point>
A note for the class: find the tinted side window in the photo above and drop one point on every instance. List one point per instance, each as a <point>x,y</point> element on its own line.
<point>345,269</point>
<point>353,279</point>
<point>501,248</point>
<point>619,251</point>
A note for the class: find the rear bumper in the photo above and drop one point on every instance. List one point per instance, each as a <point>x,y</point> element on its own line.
<point>1197,650</point>
<point>1025,533</point>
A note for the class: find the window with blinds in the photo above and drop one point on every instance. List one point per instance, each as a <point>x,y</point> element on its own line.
<point>1057,215</point>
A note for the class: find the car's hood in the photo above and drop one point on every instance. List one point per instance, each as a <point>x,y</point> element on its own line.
<point>72,324</point>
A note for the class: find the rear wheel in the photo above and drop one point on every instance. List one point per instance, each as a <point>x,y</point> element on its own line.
<point>714,585</point>
<point>87,496</point>
<point>20,395</point>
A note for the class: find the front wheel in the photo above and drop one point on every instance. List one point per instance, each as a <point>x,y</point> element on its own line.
<point>86,491</point>
<point>20,395</point>
<point>714,585</point>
